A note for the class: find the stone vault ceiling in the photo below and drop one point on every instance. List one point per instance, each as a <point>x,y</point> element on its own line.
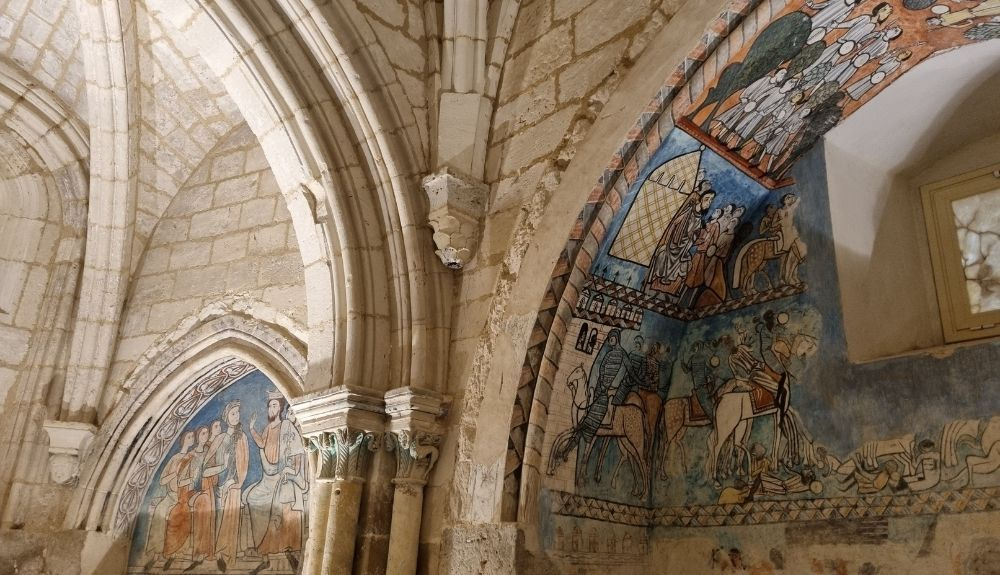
<point>43,38</point>
<point>185,111</point>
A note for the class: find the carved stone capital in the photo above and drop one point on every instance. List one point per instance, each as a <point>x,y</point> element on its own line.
<point>415,433</point>
<point>416,453</point>
<point>68,444</point>
<point>457,206</point>
<point>343,454</point>
<point>341,427</point>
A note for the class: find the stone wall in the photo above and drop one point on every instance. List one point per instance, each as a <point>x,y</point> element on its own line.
<point>43,38</point>
<point>30,229</point>
<point>226,236</point>
<point>566,62</point>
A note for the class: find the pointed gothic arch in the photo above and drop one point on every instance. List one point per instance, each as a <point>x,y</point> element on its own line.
<point>340,171</point>
<point>221,334</point>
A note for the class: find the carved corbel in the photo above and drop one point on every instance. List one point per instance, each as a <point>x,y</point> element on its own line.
<point>457,206</point>
<point>68,444</point>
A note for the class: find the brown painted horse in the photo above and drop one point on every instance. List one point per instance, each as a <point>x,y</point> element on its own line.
<point>750,262</point>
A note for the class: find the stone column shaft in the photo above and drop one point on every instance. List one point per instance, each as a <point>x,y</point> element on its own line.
<point>404,537</point>
<point>343,427</point>
<point>342,526</point>
<point>414,436</point>
<point>319,511</point>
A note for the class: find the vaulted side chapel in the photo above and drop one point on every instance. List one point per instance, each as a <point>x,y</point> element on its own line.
<point>499,286</point>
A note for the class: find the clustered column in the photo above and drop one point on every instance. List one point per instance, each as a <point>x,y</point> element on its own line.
<point>342,428</point>
<point>414,435</point>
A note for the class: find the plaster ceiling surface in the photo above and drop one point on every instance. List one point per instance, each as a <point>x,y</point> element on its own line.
<point>43,38</point>
<point>185,112</point>
<point>933,109</point>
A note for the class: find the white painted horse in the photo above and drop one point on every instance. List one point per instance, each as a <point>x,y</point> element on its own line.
<point>734,416</point>
<point>566,441</point>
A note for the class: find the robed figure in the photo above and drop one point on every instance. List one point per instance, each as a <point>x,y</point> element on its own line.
<point>671,260</point>
<point>276,504</point>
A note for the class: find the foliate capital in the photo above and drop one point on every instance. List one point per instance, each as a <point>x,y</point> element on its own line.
<point>416,453</point>
<point>343,453</point>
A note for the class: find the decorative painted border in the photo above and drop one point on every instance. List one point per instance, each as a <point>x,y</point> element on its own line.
<point>216,378</point>
<point>555,313</point>
<point>968,500</point>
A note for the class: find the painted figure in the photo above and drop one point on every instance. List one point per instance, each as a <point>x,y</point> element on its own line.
<point>828,16</point>
<point>672,258</point>
<point>870,48</point>
<point>729,118</point>
<point>714,285</point>
<point>205,478</point>
<point>858,30</point>
<point>178,532</point>
<point>704,249</point>
<point>649,387</point>
<point>985,9</point>
<point>926,468</point>
<point>156,536</point>
<point>275,503</point>
<point>989,443</point>
<point>793,249</point>
<point>702,379</point>
<point>235,453</point>
<point>888,64</point>
<point>762,110</point>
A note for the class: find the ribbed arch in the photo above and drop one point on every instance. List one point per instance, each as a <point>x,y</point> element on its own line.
<point>351,189</point>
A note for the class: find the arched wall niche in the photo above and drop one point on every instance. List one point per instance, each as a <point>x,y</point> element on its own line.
<point>877,160</point>
<point>796,315</point>
<point>43,198</point>
<point>211,485</point>
<point>159,385</point>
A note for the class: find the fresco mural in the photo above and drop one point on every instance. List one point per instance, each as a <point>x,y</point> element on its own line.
<point>815,63</point>
<point>693,342</point>
<point>675,400</point>
<point>229,493</point>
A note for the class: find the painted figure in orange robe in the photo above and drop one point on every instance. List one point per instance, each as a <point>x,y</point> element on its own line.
<point>234,453</point>
<point>276,504</point>
<point>179,517</point>
<point>206,478</point>
<point>157,534</point>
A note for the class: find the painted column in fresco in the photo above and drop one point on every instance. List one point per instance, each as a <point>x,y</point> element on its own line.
<point>344,427</point>
<point>414,437</point>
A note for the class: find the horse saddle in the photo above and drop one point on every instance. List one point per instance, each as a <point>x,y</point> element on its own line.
<point>762,399</point>
<point>696,413</point>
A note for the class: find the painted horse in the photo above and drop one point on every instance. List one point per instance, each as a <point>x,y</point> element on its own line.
<point>624,423</point>
<point>736,411</point>
<point>750,262</point>
<point>679,413</point>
